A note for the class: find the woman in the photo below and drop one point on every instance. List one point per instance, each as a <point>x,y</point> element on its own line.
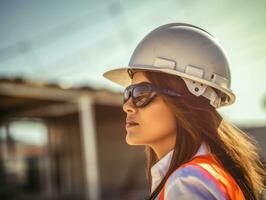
<point>177,77</point>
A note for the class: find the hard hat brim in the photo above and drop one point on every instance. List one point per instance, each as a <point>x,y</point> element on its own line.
<point>120,76</point>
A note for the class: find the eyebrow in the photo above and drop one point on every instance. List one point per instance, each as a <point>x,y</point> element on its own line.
<point>141,82</point>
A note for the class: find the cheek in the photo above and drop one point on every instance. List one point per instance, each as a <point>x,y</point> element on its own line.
<point>158,122</point>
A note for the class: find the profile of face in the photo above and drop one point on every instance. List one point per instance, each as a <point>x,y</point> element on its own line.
<point>156,122</point>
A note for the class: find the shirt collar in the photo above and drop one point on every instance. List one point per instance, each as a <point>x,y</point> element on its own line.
<point>160,168</point>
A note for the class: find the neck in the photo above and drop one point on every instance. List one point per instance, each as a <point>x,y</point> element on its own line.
<point>161,148</point>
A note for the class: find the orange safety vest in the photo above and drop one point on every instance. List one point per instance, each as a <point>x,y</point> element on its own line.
<point>214,170</point>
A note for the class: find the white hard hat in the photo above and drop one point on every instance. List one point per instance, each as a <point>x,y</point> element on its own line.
<point>188,52</point>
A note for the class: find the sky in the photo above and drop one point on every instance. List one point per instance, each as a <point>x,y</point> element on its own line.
<point>26,132</point>
<point>72,43</point>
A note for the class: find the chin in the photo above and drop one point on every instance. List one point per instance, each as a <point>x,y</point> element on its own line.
<point>131,140</point>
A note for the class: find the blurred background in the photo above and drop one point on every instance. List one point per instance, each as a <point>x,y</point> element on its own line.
<point>62,133</point>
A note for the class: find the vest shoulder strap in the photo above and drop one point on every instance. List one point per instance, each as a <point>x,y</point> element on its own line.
<point>215,171</point>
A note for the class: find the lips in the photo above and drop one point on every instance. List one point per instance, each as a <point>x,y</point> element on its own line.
<point>130,121</point>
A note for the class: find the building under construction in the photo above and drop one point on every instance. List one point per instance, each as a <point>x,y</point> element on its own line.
<point>66,144</point>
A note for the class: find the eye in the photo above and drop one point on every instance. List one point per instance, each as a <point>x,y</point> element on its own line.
<point>142,93</point>
<point>140,100</point>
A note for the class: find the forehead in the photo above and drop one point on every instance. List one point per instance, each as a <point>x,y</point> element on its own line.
<point>139,77</point>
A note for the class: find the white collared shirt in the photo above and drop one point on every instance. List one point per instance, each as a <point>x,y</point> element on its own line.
<point>160,168</point>
<point>185,185</point>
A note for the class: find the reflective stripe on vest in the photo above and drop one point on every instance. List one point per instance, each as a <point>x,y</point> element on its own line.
<point>213,170</point>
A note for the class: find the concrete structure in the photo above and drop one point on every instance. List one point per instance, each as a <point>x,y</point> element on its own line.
<point>86,156</point>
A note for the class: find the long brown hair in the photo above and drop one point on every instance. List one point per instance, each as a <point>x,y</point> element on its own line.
<point>198,121</point>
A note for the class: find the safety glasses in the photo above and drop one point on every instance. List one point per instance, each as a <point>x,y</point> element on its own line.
<point>143,93</point>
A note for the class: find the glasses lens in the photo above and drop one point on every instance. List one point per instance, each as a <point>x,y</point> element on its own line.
<point>126,94</point>
<point>141,94</point>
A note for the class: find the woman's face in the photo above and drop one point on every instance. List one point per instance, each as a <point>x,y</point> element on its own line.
<point>156,123</point>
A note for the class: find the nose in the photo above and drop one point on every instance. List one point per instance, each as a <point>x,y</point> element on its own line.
<point>128,107</point>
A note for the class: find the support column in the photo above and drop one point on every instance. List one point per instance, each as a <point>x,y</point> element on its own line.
<point>89,147</point>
